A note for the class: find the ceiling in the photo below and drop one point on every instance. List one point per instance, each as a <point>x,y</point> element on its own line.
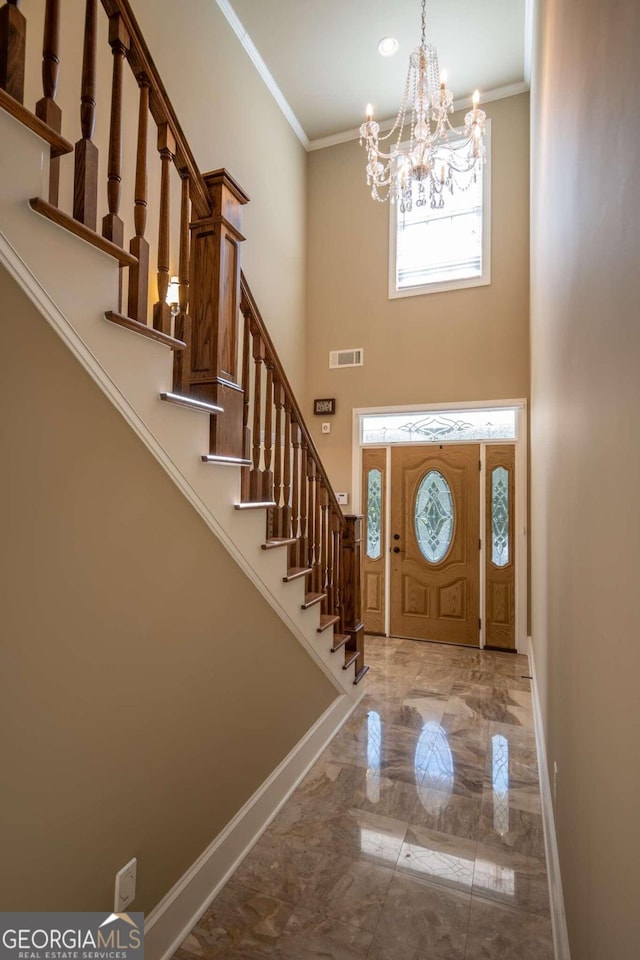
<point>323,54</point>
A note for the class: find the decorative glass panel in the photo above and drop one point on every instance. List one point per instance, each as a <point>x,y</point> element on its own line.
<point>434,516</point>
<point>374,514</point>
<point>452,425</point>
<point>500,516</point>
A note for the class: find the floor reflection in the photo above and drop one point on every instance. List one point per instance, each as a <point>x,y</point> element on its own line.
<point>374,751</point>
<point>433,765</point>
<point>500,780</point>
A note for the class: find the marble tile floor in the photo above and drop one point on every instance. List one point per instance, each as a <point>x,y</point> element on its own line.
<point>417,835</point>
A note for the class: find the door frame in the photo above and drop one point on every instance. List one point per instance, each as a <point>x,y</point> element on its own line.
<point>521,493</point>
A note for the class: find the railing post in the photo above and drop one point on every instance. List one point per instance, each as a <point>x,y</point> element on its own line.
<point>215,245</point>
<point>167,150</point>
<point>139,246</point>
<point>13,35</point>
<point>351,605</point>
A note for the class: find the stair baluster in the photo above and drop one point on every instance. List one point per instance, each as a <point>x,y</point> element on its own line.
<point>267,476</point>
<point>139,247</point>
<point>46,108</point>
<point>85,181</point>
<point>295,560</point>
<point>255,479</point>
<point>276,513</point>
<point>246,386</point>
<point>112,225</point>
<point>182,358</point>
<point>167,150</point>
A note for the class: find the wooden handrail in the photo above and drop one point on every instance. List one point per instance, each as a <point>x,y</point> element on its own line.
<point>162,111</point>
<point>248,303</point>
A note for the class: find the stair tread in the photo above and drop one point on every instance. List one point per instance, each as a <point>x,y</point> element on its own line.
<point>327,620</point>
<point>293,573</point>
<point>360,674</point>
<point>278,542</point>
<point>339,640</point>
<point>74,226</point>
<point>191,403</point>
<point>136,327</point>
<point>311,599</point>
<point>255,505</point>
<point>225,461</point>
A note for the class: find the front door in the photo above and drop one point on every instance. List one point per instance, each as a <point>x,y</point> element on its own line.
<point>435,545</point>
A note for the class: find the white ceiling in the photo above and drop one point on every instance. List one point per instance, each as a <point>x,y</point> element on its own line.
<point>323,54</point>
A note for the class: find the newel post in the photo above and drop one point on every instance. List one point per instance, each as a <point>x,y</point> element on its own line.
<point>351,606</point>
<point>215,374</point>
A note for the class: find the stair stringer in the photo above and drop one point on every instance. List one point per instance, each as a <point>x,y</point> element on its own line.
<point>72,283</point>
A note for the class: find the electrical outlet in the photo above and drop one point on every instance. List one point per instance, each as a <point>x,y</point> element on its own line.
<point>555,784</point>
<point>125,886</point>
<point>326,428</point>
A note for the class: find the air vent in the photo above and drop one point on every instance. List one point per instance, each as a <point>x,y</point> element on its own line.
<point>346,358</point>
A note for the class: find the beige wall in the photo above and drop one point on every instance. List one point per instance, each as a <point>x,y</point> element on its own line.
<point>146,689</point>
<point>230,120</point>
<point>461,345</point>
<point>585,348</point>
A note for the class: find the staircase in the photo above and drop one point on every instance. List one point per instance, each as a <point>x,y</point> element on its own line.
<point>201,384</point>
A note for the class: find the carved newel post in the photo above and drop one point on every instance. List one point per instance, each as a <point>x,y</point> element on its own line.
<point>351,608</point>
<point>215,285</point>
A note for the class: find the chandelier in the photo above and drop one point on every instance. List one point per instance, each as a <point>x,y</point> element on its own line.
<point>438,158</point>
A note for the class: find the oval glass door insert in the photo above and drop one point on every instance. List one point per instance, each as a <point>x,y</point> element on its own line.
<point>434,516</point>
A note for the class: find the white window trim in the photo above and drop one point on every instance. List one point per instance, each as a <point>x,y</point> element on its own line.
<point>484,279</point>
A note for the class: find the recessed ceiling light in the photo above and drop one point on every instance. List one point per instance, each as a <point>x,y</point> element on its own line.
<point>388,46</point>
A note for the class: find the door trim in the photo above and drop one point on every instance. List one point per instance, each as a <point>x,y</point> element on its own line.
<point>521,488</point>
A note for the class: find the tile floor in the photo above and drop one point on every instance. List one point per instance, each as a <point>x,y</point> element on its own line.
<point>417,835</point>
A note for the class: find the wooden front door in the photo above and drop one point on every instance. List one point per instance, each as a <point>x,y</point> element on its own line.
<point>435,543</point>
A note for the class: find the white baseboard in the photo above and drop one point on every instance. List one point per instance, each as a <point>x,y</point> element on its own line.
<point>556,897</point>
<point>171,920</point>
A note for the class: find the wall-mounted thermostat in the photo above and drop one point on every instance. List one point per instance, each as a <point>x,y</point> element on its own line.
<point>342,498</point>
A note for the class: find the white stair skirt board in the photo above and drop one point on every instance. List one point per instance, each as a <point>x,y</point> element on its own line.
<point>176,914</point>
<point>556,896</point>
<point>132,371</point>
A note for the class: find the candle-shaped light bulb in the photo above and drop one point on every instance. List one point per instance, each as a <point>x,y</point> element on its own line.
<point>476,98</point>
<point>443,79</point>
<point>442,174</point>
<point>369,112</point>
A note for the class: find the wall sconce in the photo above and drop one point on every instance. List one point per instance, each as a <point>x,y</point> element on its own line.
<point>173,296</point>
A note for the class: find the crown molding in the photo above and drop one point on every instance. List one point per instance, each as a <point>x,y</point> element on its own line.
<point>236,25</point>
<point>498,93</point>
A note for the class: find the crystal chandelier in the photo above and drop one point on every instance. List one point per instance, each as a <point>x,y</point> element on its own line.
<point>438,157</point>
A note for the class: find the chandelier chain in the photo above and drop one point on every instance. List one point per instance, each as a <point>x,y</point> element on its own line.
<point>424,24</point>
